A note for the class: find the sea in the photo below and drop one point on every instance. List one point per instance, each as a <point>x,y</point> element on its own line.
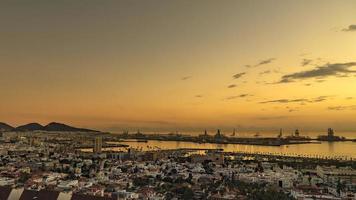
<point>340,150</point>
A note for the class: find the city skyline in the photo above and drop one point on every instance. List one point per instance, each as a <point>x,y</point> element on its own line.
<point>179,64</point>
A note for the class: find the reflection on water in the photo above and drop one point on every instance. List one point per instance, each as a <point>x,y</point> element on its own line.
<point>331,147</point>
<point>334,149</point>
<point>312,134</point>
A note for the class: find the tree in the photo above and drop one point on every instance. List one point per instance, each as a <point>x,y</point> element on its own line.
<point>188,193</point>
<point>140,181</point>
<point>24,176</point>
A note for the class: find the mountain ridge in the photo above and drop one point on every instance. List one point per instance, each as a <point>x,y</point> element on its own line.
<point>51,127</point>
<point>29,127</point>
<point>55,126</point>
<point>5,127</point>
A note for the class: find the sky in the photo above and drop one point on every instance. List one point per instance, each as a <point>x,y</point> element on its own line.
<point>180,64</point>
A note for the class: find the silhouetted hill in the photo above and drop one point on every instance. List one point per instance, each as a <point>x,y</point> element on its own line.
<point>54,126</point>
<point>30,127</point>
<point>5,127</point>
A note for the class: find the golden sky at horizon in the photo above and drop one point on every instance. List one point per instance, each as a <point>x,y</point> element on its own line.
<point>169,65</point>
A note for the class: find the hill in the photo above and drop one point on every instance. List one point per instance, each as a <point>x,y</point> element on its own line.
<point>5,127</point>
<point>30,127</point>
<point>54,126</point>
<point>51,127</point>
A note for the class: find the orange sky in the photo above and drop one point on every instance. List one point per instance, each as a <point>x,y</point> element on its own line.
<point>167,65</point>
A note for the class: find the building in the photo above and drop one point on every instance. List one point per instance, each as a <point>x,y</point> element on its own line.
<point>335,174</point>
<point>31,141</point>
<point>331,136</point>
<point>330,133</point>
<point>98,144</point>
<point>7,193</point>
<point>280,133</point>
<point>217,158</point>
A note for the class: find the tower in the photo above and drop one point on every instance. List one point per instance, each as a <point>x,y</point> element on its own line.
<point>31,141</point>
<point>296,133</point>
<point>218,135</point>
<point>234,133</point>
<point>98,144</point>
<point>330,133</point>
<point>280,133</point>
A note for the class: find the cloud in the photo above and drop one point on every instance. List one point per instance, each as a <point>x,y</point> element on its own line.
<point>285,101</point>
<point>231,86</point>
<point>199,96</point>
<point>262,62</point>
<point>334,69</point>
<point>352,27</point>
<point>301,100</point>
<point>238,75</point>
<point>272,117</point>
<point>145,122</point>
<point>319,99</point>
<point>349,98</point>
<point>269,72</point>
<point>352,107</point>
<point>265,72</point>
<point>304,54</point>
<point>186,78</point>
<point>265,62</point>
<point>342,76</point>
<point>306,62</point>
<point>237,96</point>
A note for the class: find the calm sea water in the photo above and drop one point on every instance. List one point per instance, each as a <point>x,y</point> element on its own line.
<point>312,134</point>
<point>323,149</point>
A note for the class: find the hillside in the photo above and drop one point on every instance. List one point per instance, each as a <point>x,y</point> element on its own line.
<point>30,127</point>
<point>54,126</point>
<point>5,127</point>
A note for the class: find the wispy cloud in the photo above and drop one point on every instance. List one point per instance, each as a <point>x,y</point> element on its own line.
<point>289,109</point>
<point>265,62</point>
<point>272,117</point>
<point>237,96</point>
<point>269,72</point>
<point>285,101</point>
<point>333,69</point>
<point>262,62</point>
<point>238,75</point>
<point>304,54</point>
<point>306,62</point>
<point>231,86</point>
<point>352,107</point>
<point>352,27</point>
<point>319,99</point>
<point>265,72</point>
<point>301,100</point>
<point>186,78</point>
